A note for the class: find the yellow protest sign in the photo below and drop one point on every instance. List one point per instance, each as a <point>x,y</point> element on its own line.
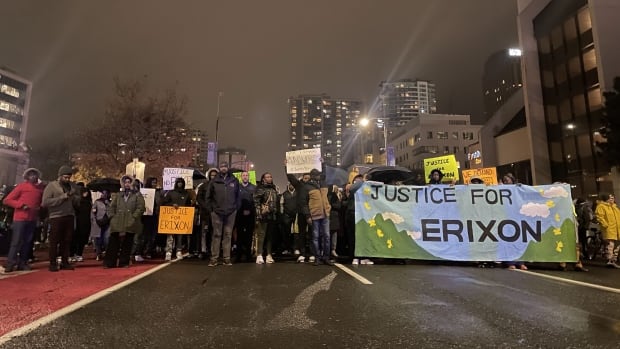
<point>175,220</point>
<point>487,174</point>
<point>446,164</point>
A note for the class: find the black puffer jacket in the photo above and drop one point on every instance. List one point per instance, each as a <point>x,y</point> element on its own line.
<point>266,194</point>
<point>223,194</point>
<point>178,196</point>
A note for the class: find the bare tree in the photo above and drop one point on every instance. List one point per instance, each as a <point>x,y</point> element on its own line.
<point>150,128</point>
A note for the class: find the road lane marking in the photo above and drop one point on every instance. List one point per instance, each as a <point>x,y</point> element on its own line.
<point>79,304</point>
<point>296,314</point>
<point>574,282</point>
<point>355,275</point>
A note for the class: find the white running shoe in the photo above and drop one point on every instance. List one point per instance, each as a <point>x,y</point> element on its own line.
<point>269,259</point>
<point>296,253</point>
<point>259,260</point>
<point>367,262</point>
<point>355,261</point>
<point>139,258</point>
<point>311,259</point>
<point>179,255</point>
<point>79,259</point>
<point>168,256</point>
<point>301,259</point>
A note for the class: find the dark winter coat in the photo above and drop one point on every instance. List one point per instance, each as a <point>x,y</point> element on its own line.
<point>335,202</point>
<point>266,194</point>
<point>312,198</point>
<point>178,196</point>
<point>247,196</point>
<point>290,204</point>
<point>125,215</point>
<point>223,195</point>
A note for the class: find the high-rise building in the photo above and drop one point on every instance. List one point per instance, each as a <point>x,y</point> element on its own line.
<point>14,104</point>
<point>501,79</point>
<point>328,123</point>
<point>570,55</point>
<point>199,144</point>
<point>405,99</point>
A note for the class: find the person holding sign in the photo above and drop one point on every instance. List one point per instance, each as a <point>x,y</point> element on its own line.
<point>265,199</point>
<point>223,198</point>
<point>125,216</point>
<point>177,198</point>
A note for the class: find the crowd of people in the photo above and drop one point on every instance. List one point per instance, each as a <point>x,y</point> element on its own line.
<point>235,221</point>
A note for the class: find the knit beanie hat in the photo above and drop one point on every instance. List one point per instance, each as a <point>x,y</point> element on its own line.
<point>65,170</point>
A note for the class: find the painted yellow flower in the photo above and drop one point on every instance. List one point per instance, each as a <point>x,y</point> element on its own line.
<point>557,231</point>
<point>380,233</point>
<point>559,246</point>
<point>541,191</point>
<point>366,191</point>
<point>372,223</point>
<point>367,205</point>
<point>550,204</point>
<point>389,243</point>
<point>557,217</point>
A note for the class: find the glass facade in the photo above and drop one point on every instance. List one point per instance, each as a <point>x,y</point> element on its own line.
<point>12,104</point>
<point>572,98</point>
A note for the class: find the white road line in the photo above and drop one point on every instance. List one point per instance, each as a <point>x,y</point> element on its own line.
<point>574,282</point>
<point>355,275</point>
<point>70,308</point>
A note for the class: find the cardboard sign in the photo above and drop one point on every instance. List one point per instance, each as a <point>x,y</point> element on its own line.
<point>175,220</point>
<point>446,164</point>
<point>171,174</point>
<point>303,161</point>
<point>149,200</point>
<point>487,174</point>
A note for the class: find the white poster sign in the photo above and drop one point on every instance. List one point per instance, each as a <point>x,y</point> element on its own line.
<point>303,161</point>
<point>149,200</point>
<point>171,174</point>
<point>136,169</point>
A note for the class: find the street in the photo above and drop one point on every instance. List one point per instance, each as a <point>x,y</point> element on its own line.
<point>287,305</point>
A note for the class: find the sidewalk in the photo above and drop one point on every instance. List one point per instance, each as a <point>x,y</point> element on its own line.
<point>29,295</point>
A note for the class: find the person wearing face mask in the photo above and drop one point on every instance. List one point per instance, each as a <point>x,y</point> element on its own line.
<point>224,200</point>
<point>25,199</point>
<point>125,215</point>
<point>60,197</point>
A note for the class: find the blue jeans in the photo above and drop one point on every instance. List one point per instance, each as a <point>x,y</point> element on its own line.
<point>320,231</point>
<point>23,231</point>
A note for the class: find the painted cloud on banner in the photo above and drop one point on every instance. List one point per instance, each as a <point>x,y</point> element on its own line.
<point>535,210</point>
<point>555,192</point>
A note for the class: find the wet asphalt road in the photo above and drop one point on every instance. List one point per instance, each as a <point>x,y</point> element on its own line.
<point>286,305</point>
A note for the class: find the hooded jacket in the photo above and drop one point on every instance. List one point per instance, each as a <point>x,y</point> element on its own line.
<point>125,212</point>
<point>608,215</point>
<point>311,198</point>
<point>27,194</point>
<point>223,196</point>
<point>177,196</point>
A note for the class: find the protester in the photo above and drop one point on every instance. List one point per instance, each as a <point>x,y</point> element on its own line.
<point>304,229</point>
<point>25,199</point>
<point>178,197</point>
<point>206,226</point>
<point>335,198</point>
<point>82,225</point>
<point>125,215</point>
<point>265,199</point>
<point>246,218</point>
<point>149,223</point>
<point>223,198</point>
<point>435,177</point>
<point>608,216</point>
<point>100,224</point>
<point>509,179</point>
<point>60,197</point>
<point>350,190</point>
<point>288,213</point>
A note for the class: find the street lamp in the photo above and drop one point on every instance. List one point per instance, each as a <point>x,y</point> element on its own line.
<point>382,123</point>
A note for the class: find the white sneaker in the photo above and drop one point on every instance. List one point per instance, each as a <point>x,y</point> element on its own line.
<point>367,261</point>
<point>168,256</point>
<point>139,258</point>
<point>259,260</point>
<point>285,252</point>
<point>301,259</point>
<point>296,253</point>
<point>355,261</point>
<point>311,259</point>
<point>179,255</point>
<point>79,259</point>
<point>270,259</point>
<point>334,254</point>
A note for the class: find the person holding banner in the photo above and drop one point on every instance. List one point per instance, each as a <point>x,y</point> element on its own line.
<point>177,197</point>
<point>125,216</point>
<point>435,177</point>
<point>223,198</point>
<point>265,199</point>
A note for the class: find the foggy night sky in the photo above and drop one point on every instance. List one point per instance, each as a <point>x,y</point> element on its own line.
<point>258,53</point>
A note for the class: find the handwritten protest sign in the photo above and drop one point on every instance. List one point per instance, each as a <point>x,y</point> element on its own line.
<point>446,164</point>
<point>303,161</point>
<point>466,223</point>
<point>171,174</point>
<point>487,174</point>
<point>175,220</point>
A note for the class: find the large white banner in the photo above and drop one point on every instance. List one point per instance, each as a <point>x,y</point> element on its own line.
<point>171,174</point>
<point>303,161</point>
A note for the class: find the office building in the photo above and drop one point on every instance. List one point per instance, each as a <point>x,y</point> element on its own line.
<point>501,79</point>
<point>403,100</point>
<point>14,105</point>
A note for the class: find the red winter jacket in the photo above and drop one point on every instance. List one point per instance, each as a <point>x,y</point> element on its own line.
<point>27,194</point>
